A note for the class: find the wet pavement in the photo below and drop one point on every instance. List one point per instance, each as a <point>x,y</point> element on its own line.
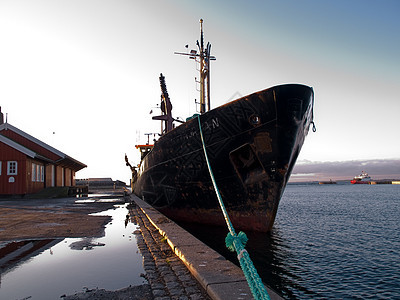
<point>25,218</point>
<point>167,276</point>
<point>47,269</point>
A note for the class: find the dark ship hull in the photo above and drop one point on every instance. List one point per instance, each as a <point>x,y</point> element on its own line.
<point>252,144</point>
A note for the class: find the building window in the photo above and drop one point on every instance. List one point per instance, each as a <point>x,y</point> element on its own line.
<point>12,168</point>
<point>37,173</point>
<point>42,173</point>
<point>33,172</point>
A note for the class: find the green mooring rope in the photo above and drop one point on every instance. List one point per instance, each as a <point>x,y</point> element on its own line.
<point>237,242</point>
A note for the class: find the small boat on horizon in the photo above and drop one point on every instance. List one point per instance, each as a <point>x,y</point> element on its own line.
<point>327,182</point>
<point>363,178</point>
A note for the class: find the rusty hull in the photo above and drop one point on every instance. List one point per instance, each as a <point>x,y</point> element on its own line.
<point>252,144</point>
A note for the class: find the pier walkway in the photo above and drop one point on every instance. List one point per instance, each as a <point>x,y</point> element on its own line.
<point>179,266</point>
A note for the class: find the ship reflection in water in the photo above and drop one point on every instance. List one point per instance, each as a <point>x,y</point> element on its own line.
<point>48,269</point>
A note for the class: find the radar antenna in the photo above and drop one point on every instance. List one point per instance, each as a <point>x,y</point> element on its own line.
<point>203,58</point>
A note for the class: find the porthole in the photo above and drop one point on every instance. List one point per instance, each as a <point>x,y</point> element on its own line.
<point>255,120</point>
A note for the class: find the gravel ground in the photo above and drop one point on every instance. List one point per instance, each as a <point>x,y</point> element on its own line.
<point>22,219</point>
<point>140,292</point>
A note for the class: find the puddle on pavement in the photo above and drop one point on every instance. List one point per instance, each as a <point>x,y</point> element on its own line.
<point>100,200</point>
<point>86,201</point>
<point>52,268</point>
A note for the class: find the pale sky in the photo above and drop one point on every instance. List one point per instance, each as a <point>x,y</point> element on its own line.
<point>88,70</point>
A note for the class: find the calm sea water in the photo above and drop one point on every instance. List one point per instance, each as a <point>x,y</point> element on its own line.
<point>329,242</point>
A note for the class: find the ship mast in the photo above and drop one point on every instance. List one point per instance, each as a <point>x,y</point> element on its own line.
<point>203,58</point>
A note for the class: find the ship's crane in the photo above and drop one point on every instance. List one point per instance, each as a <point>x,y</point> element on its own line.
<point>166,108</point>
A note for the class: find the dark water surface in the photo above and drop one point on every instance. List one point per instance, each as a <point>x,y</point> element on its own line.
<point>71,265</point>
<point>329,242</point>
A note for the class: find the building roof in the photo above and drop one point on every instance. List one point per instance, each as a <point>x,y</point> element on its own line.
<point>17,146</point>
<point>101,179</point>
<point>63,159</point>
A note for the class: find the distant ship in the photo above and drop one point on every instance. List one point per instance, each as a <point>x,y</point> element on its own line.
<point>363,178</point>
<point>252,144</point>
<point>327,182</point>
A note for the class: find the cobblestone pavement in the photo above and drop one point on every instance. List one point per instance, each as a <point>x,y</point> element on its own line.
<point>167,275</point>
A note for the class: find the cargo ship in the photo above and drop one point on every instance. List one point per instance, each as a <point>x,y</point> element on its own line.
<point>252,144</point>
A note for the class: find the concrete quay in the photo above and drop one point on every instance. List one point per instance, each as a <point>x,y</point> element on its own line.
<point>183,267</point>
<point>167,276</point>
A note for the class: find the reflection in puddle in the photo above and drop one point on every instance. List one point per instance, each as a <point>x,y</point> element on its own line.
<point>57,267</point>
<point>18,252</point>
<point>86,201</point>
<point>101,200</point>
<point>85,244</point>
<point>98,195</point>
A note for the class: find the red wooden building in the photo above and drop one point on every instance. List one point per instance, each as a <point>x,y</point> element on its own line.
<point>28,165</point>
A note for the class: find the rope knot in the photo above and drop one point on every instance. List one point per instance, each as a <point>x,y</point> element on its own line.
<point>230,239</point>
